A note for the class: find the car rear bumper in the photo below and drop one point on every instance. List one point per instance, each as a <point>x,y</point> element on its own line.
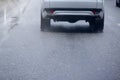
<point>76,13</point>
<point>67,14</point>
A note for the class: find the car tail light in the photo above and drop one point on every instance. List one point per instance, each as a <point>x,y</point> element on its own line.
<point>94,12</point>
<point>52,11</point>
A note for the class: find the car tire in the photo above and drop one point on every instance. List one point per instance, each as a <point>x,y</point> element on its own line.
<point>45,23</point>
<point>97,25</point>
<point>117,4</point>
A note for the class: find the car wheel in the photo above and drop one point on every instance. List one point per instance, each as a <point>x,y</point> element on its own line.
<point>45,23</point>
<point>117,4</point>
<point>100,25</point>
<point>97,25</point>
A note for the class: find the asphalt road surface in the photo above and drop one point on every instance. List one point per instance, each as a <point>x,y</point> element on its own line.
<point>64,52</point>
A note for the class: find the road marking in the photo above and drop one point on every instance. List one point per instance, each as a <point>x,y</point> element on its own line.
<point>5,15</point>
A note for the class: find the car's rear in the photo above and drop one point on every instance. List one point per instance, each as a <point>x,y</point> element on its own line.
<point>73,10</point>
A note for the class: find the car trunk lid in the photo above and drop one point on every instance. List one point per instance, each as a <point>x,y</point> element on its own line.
<point>73,4</point>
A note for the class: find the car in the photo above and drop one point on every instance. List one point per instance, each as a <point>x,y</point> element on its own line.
<point>91,11</point>
<point>118,3</point>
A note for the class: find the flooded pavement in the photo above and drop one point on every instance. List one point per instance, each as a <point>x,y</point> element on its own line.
<point>63,52</point>
<point>10,12</point>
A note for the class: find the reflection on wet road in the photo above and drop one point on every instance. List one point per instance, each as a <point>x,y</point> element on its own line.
<point>63,52</point>
<point>10,12</point>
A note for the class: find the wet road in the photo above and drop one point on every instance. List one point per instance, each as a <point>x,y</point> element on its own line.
<point>65,52</point>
